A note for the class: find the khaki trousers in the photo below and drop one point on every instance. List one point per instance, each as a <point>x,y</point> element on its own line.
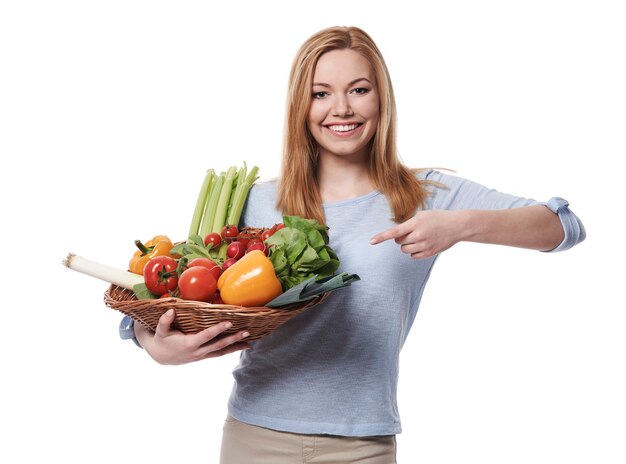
<point>248,444</point>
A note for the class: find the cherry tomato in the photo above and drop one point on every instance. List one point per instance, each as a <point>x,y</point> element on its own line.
<point>229,231</point>
<point>235,250</point>
<point>209,264</point>
<point>267,234</point>
<point>214,238</point>
<point>278,226</point>
<point>197,283</point>
<point>160,274</point>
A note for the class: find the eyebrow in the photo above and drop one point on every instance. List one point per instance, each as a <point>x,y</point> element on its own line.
<point>322,84</point>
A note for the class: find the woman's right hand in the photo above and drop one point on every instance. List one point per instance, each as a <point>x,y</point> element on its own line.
<point>170,346</point>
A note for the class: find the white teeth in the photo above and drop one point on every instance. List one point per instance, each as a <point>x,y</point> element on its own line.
<point>343,128</point>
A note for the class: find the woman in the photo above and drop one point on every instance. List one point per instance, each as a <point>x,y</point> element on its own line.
<point>322,388</point>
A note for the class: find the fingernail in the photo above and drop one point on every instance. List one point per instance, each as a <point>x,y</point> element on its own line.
<point>373,241</point>
<point>169,312</point>
<point>245,334</point>
<point>229,325</point>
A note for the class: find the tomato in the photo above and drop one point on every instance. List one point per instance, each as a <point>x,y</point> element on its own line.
<point>235,250</point>
<point>160,274</point>
<point>197,283</point>
<point>214,238</point>
<point>278,226</point>
<point>267,234</point>
<point>209,264</point>
<point>229,231</point>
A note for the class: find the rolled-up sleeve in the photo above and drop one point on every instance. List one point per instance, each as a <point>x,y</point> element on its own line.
<point>573,229</point>
<point>127,330</point>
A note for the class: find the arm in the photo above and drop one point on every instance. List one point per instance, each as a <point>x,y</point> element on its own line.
<point>534,227</point>
<point>552,227</point>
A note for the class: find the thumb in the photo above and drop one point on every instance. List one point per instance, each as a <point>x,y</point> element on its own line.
<point>164,326</point>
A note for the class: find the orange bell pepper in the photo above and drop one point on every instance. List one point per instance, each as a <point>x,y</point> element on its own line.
<point>160,245</point>
<point>251,281</point>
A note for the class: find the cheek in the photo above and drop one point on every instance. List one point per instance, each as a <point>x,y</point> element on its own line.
<point>316,113</point>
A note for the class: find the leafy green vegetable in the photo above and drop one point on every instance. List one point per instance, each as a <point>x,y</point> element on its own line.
<point>300,251</point>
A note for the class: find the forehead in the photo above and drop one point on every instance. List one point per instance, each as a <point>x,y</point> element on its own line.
<point>339,66</point>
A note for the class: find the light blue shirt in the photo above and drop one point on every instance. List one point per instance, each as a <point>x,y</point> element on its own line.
<point>334,368</point>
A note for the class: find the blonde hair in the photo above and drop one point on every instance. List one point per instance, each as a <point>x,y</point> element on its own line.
<point>298,188</point>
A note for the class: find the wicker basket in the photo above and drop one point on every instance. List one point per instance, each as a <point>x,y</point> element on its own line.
<point>194,316</point>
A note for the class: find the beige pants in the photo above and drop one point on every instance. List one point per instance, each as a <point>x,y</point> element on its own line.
<point>249,444</point>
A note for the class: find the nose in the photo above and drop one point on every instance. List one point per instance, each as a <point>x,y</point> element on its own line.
<point>341,106</point>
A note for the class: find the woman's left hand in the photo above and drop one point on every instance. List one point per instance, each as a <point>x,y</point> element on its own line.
<point>424,235</point>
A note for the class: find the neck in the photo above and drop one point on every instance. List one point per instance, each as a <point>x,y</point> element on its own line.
<point>341,178</point>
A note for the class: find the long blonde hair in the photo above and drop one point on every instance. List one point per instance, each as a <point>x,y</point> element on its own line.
<point>298,188</point>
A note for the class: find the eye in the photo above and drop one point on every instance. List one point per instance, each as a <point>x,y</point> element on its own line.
<point>321,94</point>
<point>360,91</point>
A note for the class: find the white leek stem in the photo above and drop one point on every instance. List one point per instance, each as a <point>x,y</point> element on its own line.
<point>103,272</point>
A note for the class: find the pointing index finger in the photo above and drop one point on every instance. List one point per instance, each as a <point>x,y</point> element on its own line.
<point>388,234</point>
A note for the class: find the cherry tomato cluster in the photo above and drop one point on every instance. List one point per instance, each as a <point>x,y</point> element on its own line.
<point>197,279</point>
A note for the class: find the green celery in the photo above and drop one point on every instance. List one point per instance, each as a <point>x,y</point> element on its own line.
<point>242,193</point>
<point>201,202</point>
<point>219,219</point>
<point>211,206</point>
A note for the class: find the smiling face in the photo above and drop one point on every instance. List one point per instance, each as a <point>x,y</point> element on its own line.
<point>343,115</point>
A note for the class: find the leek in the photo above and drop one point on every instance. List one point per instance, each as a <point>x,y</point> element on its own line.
<point>103,272</point>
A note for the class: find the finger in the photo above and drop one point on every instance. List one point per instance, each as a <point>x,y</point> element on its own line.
<point>221,343</point>
<point>210,333</point>
<point>395,232</point>
<point>164,326</point>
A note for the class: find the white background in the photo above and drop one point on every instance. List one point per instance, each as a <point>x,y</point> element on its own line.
<point>110,113</point>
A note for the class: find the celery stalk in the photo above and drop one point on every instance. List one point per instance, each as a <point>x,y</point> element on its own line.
<point>240,199</point>
<point>219,220</point>
<point>211,206</point>
<point>201,202</point>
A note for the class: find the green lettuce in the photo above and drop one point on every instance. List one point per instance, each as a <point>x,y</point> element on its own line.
<point>300,251</point>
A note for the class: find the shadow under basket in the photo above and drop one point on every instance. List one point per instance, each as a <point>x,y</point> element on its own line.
<point>194,316</point>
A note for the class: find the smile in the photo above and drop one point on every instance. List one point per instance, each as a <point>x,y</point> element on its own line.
<point>344,130</point>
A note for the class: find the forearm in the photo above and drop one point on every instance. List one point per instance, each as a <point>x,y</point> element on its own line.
<point>534,227</point>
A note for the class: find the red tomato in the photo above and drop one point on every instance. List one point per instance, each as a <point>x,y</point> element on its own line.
<point>160,274</point>
<point>230,231</point>
<point>209,264</point>
<point>267,234</point>
<point>278,226</point>
<point>214,238</point>
<point>197,283</point>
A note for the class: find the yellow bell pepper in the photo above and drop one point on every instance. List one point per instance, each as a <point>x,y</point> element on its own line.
<point>251,281</point>
<point>160,245</point>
